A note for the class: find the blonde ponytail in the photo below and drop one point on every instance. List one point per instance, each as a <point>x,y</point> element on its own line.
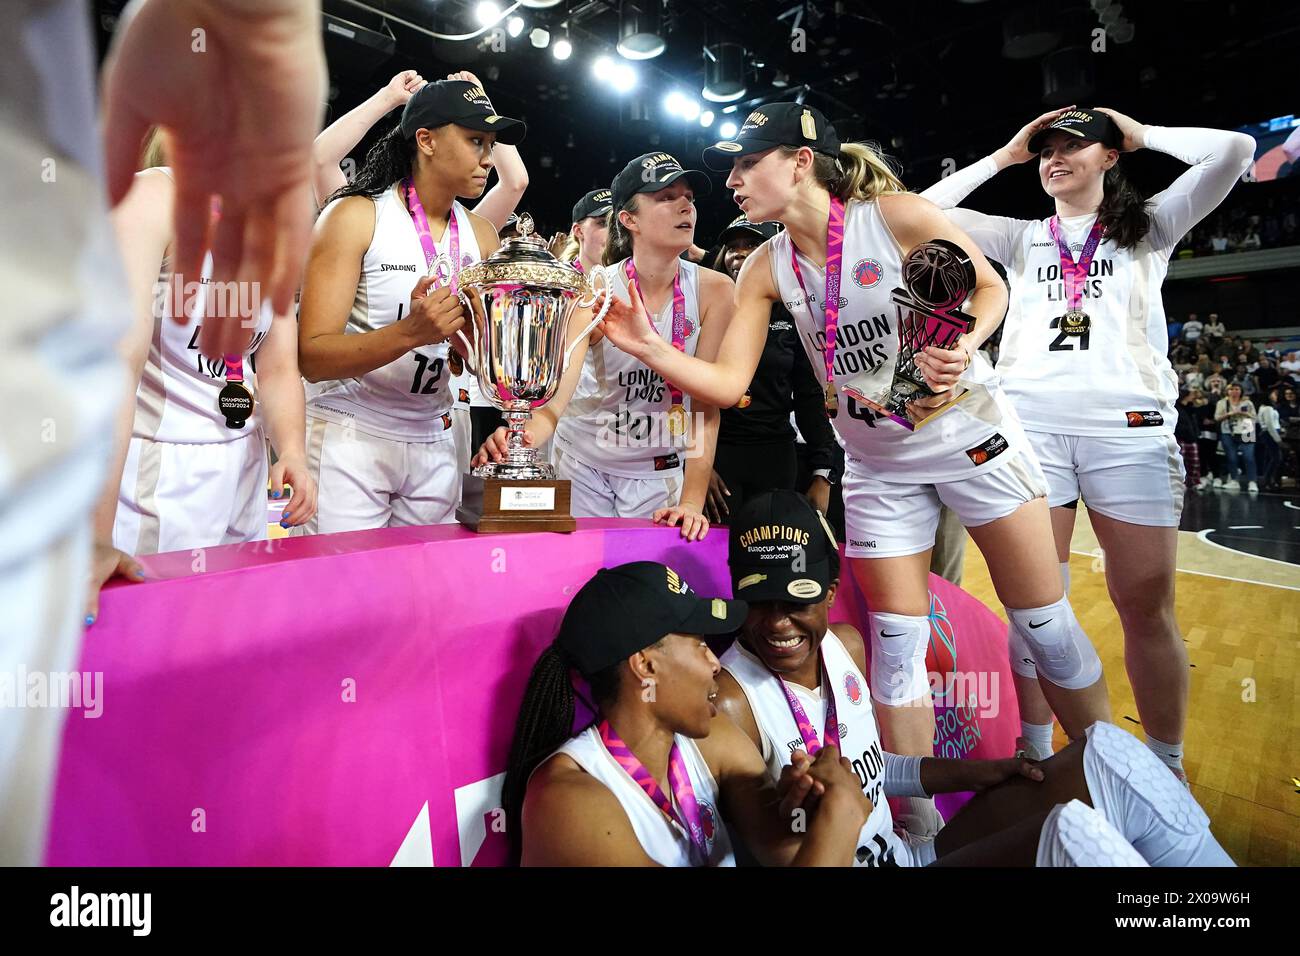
<point>861,172</point>
<point>154,152</point>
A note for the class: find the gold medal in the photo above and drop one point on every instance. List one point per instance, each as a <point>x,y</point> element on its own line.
<point>832,400</point>
<point>745,401</point>
<point>677,421</point>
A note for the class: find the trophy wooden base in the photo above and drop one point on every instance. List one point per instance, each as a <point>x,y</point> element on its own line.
<point>495,505</point>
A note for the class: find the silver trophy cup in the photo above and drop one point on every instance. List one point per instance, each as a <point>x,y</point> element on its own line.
<point>938,277</point>
<point>520,300</point>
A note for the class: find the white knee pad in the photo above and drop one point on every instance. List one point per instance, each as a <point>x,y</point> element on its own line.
<point>898,645</point>
<point>1061,651</point>
<point>1142,799</point>
<point>1022,660</point>
<point>1074,834</point>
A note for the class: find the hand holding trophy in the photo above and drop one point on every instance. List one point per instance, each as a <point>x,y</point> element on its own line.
<point>520,300</point>
<point>938,277</point>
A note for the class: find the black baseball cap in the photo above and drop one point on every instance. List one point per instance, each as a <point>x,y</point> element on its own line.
<point>651,172</point>
<point>1086,124</point>
<point>776,124</point>
<point>598,202</point>
<point>627,608</point>
<point>780,549</point>
<point>740,226</point>
<point>462,103</point>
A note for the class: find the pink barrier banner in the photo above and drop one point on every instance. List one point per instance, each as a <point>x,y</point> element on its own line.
<point>350,699</point>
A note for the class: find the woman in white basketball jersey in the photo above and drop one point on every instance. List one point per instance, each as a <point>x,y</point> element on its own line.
<point>196,470</point>
<point>842,206</point>
<point>375,326</point>
<point>1084,362</point>
<point>627,439</point>
<point>658,778</point>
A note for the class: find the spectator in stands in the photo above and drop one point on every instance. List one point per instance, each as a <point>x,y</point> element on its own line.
<point>1175,329</point>
<point>1207,441</point>
<point>1216,383</point>
<point>1214,331</point>
<point>1266,376</point>
<point>1192,329</point>
<point>1194,380</point>
<point>1218,242</point>
<point>1250,241</point>
<point>1235,414</point>
<point>1248,347</point>
<point>1290,367</point>
<point>1270,443</point>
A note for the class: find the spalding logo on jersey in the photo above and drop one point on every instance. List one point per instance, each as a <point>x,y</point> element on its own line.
<point>867,272</point>
<point>852,688</point>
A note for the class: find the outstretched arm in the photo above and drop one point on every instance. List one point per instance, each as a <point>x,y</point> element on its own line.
<point>721,382</point>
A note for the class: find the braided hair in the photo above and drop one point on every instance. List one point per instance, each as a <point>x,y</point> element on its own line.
<point>545,721</point>
<point>389,161</point>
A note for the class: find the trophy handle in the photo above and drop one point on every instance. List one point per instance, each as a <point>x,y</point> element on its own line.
<point>585,302</point>
<point>470,352</point>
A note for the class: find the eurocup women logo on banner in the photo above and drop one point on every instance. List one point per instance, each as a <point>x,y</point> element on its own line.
<point>941,655</point>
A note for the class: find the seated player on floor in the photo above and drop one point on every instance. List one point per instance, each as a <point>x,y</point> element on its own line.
<point>780,681</point>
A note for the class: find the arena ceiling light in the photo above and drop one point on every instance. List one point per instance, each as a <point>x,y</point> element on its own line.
<point>539,38</point>
<point>515,26</point>
<point>487,13</point>
<point>620,76</point>
<point>682,106</point>
<point>728,130</point>
<point>724,72</point>
<point>562,49</point>
<point>538,4</point>
<point>640,29</point>
<point>706,118</point>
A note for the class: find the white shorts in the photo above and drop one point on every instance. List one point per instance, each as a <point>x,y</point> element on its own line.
<point>364,481</point>
<point>1138,480</point>
<point>176,497</point>
<point>887,519</point>
<point>599,495</point>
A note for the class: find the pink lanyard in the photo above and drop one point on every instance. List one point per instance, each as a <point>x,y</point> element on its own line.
<point>831,734</point>
<point>577,264</point>
<point>1074,273</point>
<point>690,817</point>
<point>679,320</point>
<point>426,238</point>
<point>234,362</point>
<point>831,302</point>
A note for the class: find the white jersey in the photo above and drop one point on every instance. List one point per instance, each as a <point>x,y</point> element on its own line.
<point>1117,379</point>
<point>878,844</point>
<point>1114,378</point>
<point>410,398</point>
<point>978,434</point>
<point>664,842</point>
<point>176,400</point>
<point>617,421</point>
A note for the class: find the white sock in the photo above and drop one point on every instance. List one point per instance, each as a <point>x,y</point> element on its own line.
<point>1039,738</point>
<point>1171,755</point>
